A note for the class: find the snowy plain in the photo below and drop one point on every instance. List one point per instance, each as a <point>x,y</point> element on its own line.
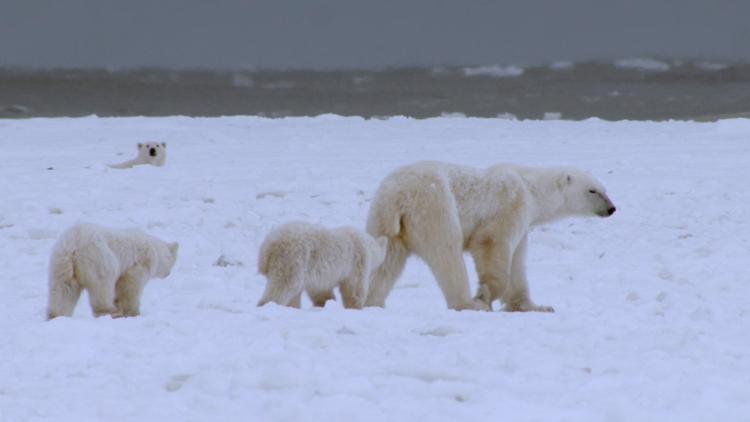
<point>652,316</point>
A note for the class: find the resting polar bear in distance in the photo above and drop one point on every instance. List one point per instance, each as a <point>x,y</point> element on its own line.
<point>154,154</point>
<point>298,256</point>
<point>112,265</point>
<point>438,210</point>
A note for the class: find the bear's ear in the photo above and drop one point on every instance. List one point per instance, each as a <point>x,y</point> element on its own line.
<point>163,144</point>
<point>173,248</point>
<point>564,181</point>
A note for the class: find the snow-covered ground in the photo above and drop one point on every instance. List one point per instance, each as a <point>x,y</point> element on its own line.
<point>653,309</point>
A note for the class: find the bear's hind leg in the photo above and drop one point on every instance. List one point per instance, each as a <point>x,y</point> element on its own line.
<point>354,291</point>
<point>283,291</point>
<point>384,277</point>
<point>448,267</point>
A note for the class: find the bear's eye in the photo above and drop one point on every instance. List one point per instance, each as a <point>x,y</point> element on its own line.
<point>592,190</point>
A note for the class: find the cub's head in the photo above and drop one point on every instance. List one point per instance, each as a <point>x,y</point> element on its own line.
<point>153,153</point>
<point>584,195</point>
<point>167,255</point>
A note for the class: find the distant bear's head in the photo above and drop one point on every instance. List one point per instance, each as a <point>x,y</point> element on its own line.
<point>166,257</point>
<point>153,153</point>
<point>584,195</point>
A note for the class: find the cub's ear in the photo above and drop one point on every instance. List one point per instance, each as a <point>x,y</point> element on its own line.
<point>564,180</point>
<point>163,144</point>
<point>173,248</point>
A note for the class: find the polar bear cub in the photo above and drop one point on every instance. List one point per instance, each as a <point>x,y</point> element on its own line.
<point>301,256</point>
<point>112,265</point>
<point>154,154</point>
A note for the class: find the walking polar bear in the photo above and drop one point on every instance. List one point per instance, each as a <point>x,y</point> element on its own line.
<point>438,210</point>
<point>298,256</point>
<point>112,265</point>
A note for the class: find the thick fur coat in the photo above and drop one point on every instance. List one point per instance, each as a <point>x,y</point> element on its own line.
<point>438,210</point>
<point>112,265</point>
<point>298,256</point>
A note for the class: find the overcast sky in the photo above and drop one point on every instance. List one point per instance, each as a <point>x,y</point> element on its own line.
<point>364,34</point>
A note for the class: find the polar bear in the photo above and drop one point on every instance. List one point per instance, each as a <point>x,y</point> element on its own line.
<point>112,265</point>
<point>438,210</point>
<point>301,256</point>
<point>154,154</point>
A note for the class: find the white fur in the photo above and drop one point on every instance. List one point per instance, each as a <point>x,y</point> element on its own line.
<point>154,154</point>
<point>438,210</point>
<point>301,256</point>
<point>112,265</point>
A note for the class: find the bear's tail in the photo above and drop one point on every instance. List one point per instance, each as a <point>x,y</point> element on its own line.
<point>64,288</point>
<point>384,218</point>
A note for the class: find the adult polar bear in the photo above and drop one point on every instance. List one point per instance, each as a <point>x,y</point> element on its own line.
<point>438,210</point>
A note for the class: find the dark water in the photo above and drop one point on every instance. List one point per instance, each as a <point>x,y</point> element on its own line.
<point>688,90</point>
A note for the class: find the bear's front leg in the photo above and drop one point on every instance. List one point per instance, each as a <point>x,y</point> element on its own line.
<point>516,296</point>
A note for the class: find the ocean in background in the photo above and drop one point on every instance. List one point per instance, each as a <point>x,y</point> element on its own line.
<point>633,89</point>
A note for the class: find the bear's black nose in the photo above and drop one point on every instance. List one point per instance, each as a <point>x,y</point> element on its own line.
<point>611,211</point>
<point>152,152</point>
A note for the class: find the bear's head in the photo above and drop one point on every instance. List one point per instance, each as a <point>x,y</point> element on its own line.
<point>153,153</point>
<point>584,195</point>
<point>166,257</point>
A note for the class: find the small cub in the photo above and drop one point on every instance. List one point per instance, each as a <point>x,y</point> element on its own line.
<point>112,265</point>
<point>301,256</point>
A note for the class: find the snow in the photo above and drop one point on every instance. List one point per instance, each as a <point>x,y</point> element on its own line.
<point>643,64</point>
<point>651,304</point>
<point>494,71</point>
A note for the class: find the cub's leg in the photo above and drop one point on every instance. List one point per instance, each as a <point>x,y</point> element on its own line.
<point>128,292</point>
<point>354,290</point>
<point>284,286</point>
<point>319,298</point>
<point>100,285</point>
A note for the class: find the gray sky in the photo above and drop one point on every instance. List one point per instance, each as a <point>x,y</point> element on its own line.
<point>364,34</point>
